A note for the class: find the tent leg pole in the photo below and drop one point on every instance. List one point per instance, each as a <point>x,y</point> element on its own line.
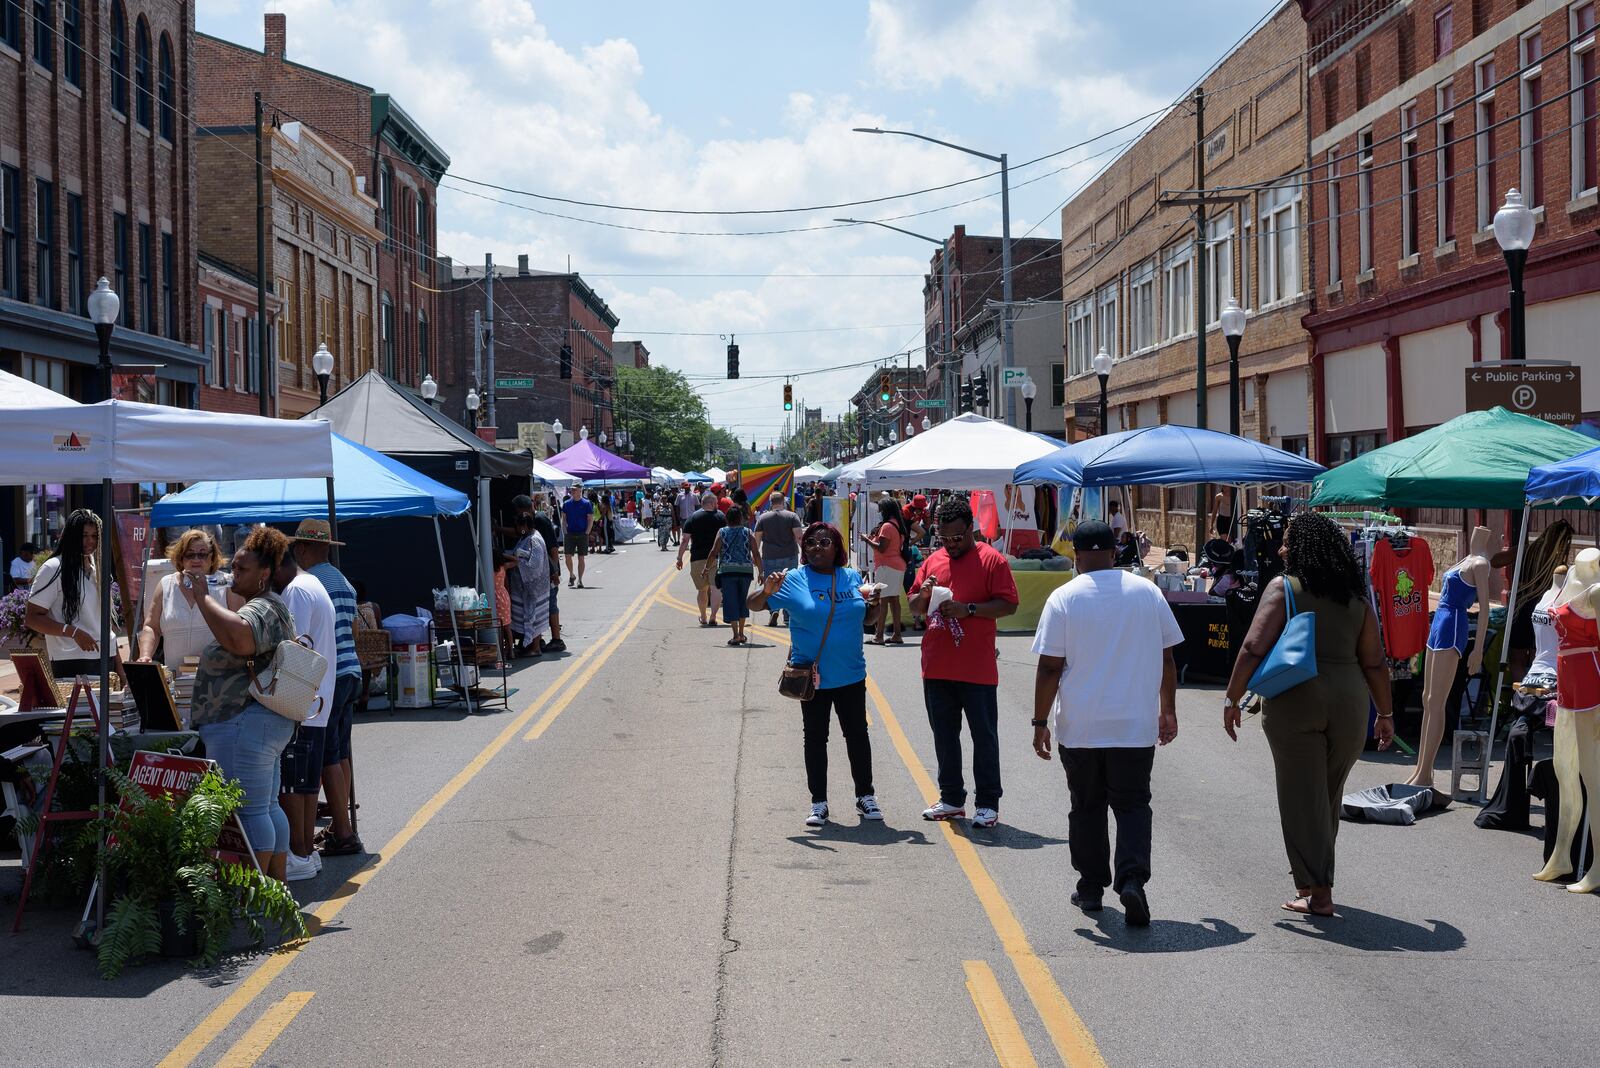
<point>485,543</point>
<point>461,667</point>
<point>1505,653</point>
<point>333,522</point>
<point>103,728</point>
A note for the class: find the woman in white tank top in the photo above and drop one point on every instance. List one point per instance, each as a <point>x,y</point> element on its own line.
<point>171,620</point>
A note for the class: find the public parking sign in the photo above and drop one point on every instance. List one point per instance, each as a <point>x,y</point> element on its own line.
<point>1549,391</point>
<point>1013,377</point>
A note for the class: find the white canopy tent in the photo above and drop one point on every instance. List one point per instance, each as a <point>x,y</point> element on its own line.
<point>809,473</point>
<point>665,476</point>
<point>968,452</point>
<point>544,474</point>
<point>20,393</point>
<point>716,474</point>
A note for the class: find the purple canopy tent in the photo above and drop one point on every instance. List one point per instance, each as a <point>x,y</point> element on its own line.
<point>586,460</point>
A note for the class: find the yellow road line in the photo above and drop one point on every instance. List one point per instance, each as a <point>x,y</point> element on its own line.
<point>1072,1039</point>
<point>251,987</point>
<point>1010,1048</point>
<point>262,1034</point>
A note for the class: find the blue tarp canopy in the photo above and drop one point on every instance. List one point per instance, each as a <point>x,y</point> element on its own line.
<point>366,485</point>
<point>1577,477</point>
<point>697,478</point>
<point>1164,456</point>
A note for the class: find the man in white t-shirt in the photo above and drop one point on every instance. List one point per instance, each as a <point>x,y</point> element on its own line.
<point>1105,644</point>
<point>22,566</point>
<point>308,601</point>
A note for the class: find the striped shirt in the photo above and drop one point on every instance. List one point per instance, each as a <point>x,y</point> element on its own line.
<point>343,596</point>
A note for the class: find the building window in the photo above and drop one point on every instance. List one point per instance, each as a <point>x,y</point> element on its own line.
<point>224,349</point>
<point>363,329</point>
<point>1105,322</point>
<point>147,289</point>
<point>119,57</point>
<point>1058,385</point>
<point>1219,265</point>
<point>141,73</point>
<point>10,230</point>
<point>1334,272</point>
<point>1142,306</point>
<point>1584,112</point>
<point>11,24</point>
<point>119,251</point>
<point>169,288</point>
<point>1280,243</point>
<point>386,199</point>
<point>1443,33</point>
<point>387,324</point>
<point>424,250</point>
<point>287,299</point>
<point>1080,336</point>
<point>1444,131</point>
<point>1483,80</point>
<point>76,297</point>
<point>1531,124</point>
<point>44,34</point>
<point>72,41</point>
<point>1342,448</point>
<point>251,347</point>
<point>1408,181</point>
<point>1364,196</point>
<point>422,343</point>
<point>1177,290</point>
<point>208,346</point>
<point>1245,256</point>
<point>44,244</point>
<point>165,90</point>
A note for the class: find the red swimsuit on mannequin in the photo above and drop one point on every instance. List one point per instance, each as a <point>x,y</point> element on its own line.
<point>1577,664</point>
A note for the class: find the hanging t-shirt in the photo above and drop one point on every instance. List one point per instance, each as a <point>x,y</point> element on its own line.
<point>1400,581</point>
<point>1545,641</point>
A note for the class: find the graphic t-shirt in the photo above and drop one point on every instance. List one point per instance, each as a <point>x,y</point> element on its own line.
<point>806,595</point>
<point>1400,580</point>
<point>702,529</point>
<point>577,515</point>
<point>981,574</point>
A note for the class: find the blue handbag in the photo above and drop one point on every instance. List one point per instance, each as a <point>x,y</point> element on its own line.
<point>1293,659</point>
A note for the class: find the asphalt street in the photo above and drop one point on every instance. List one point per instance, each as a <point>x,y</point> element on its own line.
<point>615,871</point>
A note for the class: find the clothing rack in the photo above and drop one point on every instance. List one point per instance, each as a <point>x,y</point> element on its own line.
<point>1366,516</point>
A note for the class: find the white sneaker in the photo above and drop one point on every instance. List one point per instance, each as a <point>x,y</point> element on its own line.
<point>819,814</point>
<point>316,855</point>
<point>942,811</point>
<point>867,805</point>
<point>985,817</point>
<point>300,869</point>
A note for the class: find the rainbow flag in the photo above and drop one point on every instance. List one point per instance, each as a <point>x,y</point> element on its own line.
<point>760,483</point>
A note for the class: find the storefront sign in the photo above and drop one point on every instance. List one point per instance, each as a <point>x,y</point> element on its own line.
<point>1549,391</point>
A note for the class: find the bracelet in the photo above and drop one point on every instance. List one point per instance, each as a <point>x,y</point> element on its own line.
<point>1385,715</point>
<point>1041,723</point>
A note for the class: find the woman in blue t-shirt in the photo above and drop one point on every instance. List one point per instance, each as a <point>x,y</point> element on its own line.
<point>825,587</point>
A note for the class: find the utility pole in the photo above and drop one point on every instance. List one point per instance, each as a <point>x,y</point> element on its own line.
<point>1007,354</point>
<point>488,316</point>
<point>1200,258</point>
<point>261,269</point>
<point>477,350</point>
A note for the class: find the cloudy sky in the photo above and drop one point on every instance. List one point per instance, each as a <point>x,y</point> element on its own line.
<point>722,106</point>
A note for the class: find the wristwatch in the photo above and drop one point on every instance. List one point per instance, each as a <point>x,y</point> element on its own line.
<point>1041,723</point>
<point>972,609</point>
<point>1228,702</point>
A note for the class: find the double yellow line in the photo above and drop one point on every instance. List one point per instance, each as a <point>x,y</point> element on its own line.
<point>588,663</point>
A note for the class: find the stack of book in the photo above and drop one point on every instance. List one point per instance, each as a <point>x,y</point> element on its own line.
<point>121,712</point>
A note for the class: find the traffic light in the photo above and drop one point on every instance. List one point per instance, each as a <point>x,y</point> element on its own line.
<point>980,392</point>
<point>885,388</point>
<point>566,361</point>
<point>966,394</point>
<point>733,360</point>
<point>788,397</point>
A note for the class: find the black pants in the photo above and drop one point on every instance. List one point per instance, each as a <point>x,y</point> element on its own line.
<point>947,701</point>
<point>850,702</point>
<point>1118,779</point>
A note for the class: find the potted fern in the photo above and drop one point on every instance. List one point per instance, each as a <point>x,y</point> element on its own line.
<point>172,895</point>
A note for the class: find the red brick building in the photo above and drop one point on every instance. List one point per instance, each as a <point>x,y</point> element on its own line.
<point>1423,115</point>
<point>227,298</point>
<point>398,163</point>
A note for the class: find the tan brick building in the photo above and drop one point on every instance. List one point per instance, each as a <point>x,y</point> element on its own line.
<point>1129,265</point>
<point>323,262</point>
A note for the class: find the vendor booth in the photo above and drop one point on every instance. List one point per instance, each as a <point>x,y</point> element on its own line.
<point>589,462</point>
<point>1176,455</point>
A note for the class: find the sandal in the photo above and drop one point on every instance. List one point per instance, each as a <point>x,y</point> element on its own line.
<point>1301,906</point>
<point>875,641</point>
<point>733,641</point>
<point>895,641</point>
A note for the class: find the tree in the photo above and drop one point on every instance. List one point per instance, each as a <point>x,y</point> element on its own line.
<point>663,415</point>
<point>724,448</point>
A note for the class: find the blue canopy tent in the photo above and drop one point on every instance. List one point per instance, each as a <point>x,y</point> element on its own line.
<point>696,478</point>
<point>1167,455</point>
<point>365,485</point>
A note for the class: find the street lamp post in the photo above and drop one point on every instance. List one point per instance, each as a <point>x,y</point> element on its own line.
<point>1102,371</point>
<point>322,367</point>
<point>1008,355</point>
<point>1029,391</point>
<point>429,389</point>
<point>103,307</point>
<point>911,428</point>
<point>556,428</point>
<point>1233,318</point>
<point>1513,230</point>
<point>472,408</point>
<point>583,432</point>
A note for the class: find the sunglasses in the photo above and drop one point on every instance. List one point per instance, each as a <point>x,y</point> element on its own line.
<point>818,543</point>
<point>197,556</point>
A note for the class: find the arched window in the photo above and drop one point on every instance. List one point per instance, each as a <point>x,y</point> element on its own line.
<point>141,73</point>
<point>422,344</point>
<point>386,325</point>
<point>72,41</point>
<point>165,90</point>
<point>119,57</point>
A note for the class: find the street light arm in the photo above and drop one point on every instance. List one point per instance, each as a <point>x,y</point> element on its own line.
<point>931,140</point>
<point>896,229</point>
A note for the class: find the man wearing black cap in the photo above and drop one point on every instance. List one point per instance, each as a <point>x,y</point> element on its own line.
<point>1105,660</point>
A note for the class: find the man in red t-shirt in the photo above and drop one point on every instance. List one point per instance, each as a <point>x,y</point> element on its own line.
<point>959,674</point>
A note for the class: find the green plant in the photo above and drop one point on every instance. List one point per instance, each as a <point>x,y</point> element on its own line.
<point>159,850</point>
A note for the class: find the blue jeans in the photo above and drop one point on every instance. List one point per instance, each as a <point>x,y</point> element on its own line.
<point>735,588</point>
<point>248,747</point>
<point>769,564</point>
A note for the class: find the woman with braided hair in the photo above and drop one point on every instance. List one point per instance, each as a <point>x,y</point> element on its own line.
<point>1316,730</point>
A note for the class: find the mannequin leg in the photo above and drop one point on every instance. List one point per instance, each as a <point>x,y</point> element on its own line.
<point>1567,768</point>
<point>1438,676</point>
<point>1589,768</point>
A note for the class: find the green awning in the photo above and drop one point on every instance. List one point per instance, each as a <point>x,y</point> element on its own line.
<point>1477,460</point>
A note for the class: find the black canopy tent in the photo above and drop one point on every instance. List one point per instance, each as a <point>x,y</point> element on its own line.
<point>386,418</point>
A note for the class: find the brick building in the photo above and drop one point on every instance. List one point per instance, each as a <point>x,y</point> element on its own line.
<point>1422,116</point>
<point>394,159</point>
<point>631,354</point>
<point>227,297</point>
<point>875,419</point>
<point>539,316</point>
<point>322,263</point>
<point>96,179</point>
<point>1129,266</point>
<point>974,279</point>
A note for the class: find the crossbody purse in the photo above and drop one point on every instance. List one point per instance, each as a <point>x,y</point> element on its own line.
<point>799,681</point>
